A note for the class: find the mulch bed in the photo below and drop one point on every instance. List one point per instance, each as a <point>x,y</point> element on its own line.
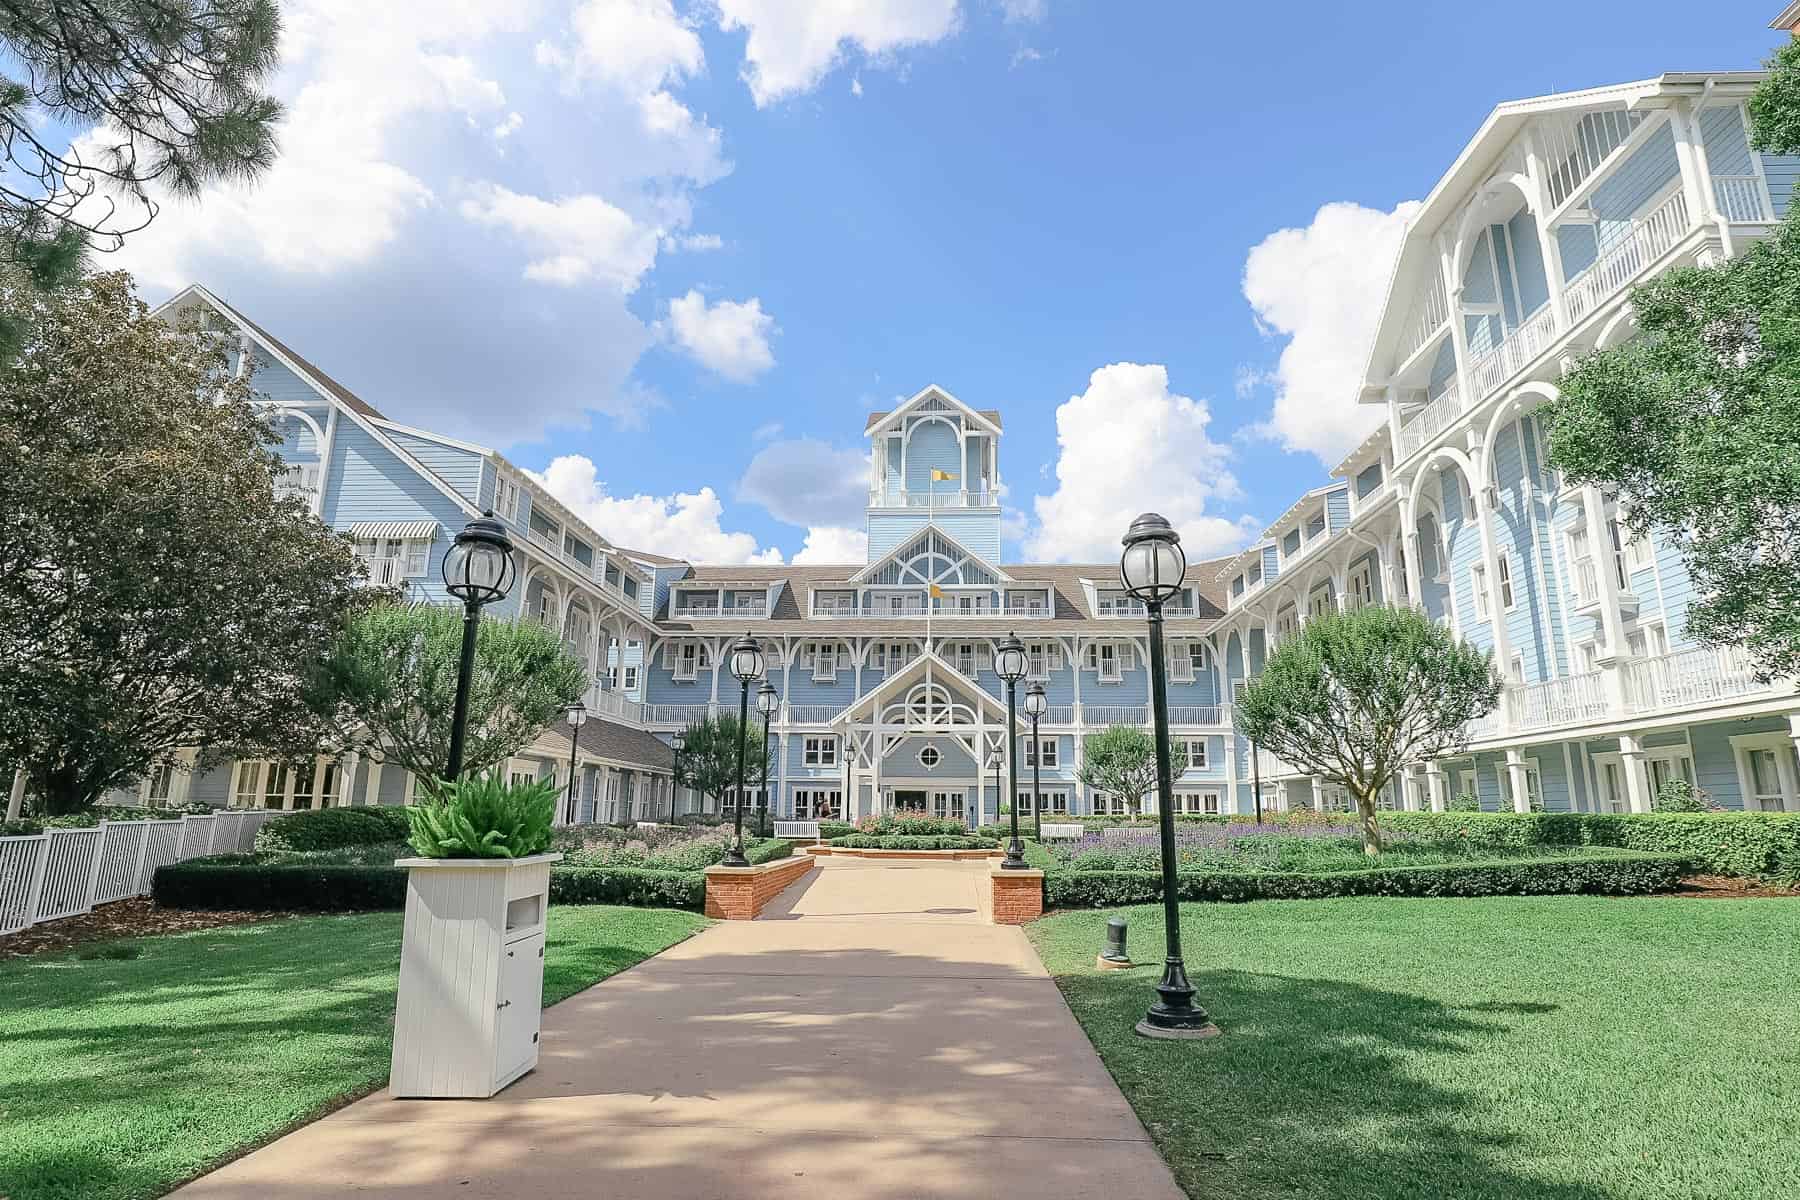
<point>136,917</point>
<point>1733,887</point>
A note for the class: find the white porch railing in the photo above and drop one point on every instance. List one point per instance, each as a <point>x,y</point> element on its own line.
<point>1431,420</point>
<point>1647,241</point>
<point>811,714</point>
<point>1115,714</point>
<point>948,498</point>
<point>677,714</point>
<point>1691,677</point>
<point>65,872</point>
<point>1194,714</point>
<point>1058,714</point>
<point>1484,727</point>
<point>1520,346</point>
<point>1740,198</point>
<point>1569,700</point>
<point>617,704</point>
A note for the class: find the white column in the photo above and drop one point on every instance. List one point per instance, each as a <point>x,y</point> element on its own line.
<point>1516,777</point>
<point>1637,787</point>
<point>1793,718</point>
<point>372,787</point>
<point>347,778</point>
<point>15,803</point>
<point>1690,156</point>
<point>1318,793</point>
<point>1435,785</point>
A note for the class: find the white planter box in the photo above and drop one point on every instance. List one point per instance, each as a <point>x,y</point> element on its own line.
<point>471,975</point>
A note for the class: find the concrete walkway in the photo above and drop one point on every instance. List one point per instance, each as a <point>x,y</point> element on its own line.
<point>871,1037</point>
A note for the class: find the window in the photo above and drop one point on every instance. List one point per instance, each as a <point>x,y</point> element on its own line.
<point>1478,581</point>
<point>1237,689</point>
<point>1103,659</point>
<point>947,806</point>
<point>630,678</point>
<point>1319,603</point>
<point>158,784</point>
<point>1666,765</point>
<point>929,757</point>
<point>1647,641</point>
<point>1181,663</point>
<point>1041,658</point>
<point>1054,802</point>
<point>1534,786</point>
<point>1640,554</point>
<point>818,804</point>
<point>1360,587</point>
<point>1196,754</point>
<point>1117,604</point>
<point>1105,805</point>
<point>1506,584</point>
<point>690,659</point>
<point>583,553</point>
<point>964,658</point>
<point>1285,623</point>
<point>544,527</point>
<point>1046,754</point>
<point>1400,572</point>
<point>821,658</point>
<point>1515,669</point>
<point>1197,802</point>
<point>1466,496</point>
<point>1768,771</point>
<point>506,499</point>
<point>1617,535</point>
<point>389,560</point>
<point>819,752</point>
<point>300,479</point>
<point>834,602</point>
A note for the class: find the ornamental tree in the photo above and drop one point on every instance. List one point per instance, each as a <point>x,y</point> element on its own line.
<point>393,675</point>
<point>1354,697</point>
<point>707,761</point>
<point>157,592</point>
<point>1694,426</point>
<point>1120,760</point>
<point>164,93</point>
<point>1774,106</point>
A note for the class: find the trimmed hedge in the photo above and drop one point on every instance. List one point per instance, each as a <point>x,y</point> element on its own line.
<point>835,829</point>
<point>914,841</point>
<point>1606,873</point>
<point>229,882</point>
<point>1729,843</point>
<point>767,850</point>
<point>330,828</point>
<point>639,886</point>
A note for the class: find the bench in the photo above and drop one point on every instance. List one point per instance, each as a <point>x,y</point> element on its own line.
<point>1069,832</point>
<point>797,829</point>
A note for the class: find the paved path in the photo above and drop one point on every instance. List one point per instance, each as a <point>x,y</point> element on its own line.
<point>871,1037</point>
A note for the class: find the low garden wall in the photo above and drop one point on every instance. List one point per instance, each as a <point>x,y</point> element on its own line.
<point>740,893</point>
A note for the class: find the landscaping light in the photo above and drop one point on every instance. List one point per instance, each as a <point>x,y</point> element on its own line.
<point>1113,955</point>
<point>746,660</point>
<point>1036,705</point>
<point>576,715</point>
<point>766,704</point>
<point>1009,664</point>
<point>478,569</point>
<point>1152,568</point>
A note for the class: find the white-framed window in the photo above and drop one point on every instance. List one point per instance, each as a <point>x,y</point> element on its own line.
<point>1117,604</point>
<point>389,560</point>
<point>1506,582</point>
<point>1041,658</point>
<point>1237,689</point>
<point>298,479</point>
<point>1360,586</point>
<point>264,783</point>
<point>690,659</point>
<point>1103,658</point>
<point>1286,622</point>
<point>818,804</point>
<point>1588,655</point>
<point>1196,753</point>
<point>1319,603</point>
<point>1108,805</point>
<point>1054,802</point>
<point>1206,803</point>
<point>1647,640</point>
<point>1515,668</point>
<point>1768,771</point>
<point>963,657</point>
<point>156,788</point>
<point>1466,495</point>
<point>819,751</point>
<point>1466,784</point>
<point>1640,553</point>
<point>1400,572</point>
<point>1045,752</point>
<point>947,806</point>
<point>506,499</point>
<point>929,757</point>
<point>1181,663</point>
<point>824,659</point>
<point>1478,581</point>
<point>1666,763</point>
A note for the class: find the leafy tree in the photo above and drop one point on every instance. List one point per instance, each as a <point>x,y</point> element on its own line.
<point>1695,427</point>
<point>1774,106</point>
<point>1354,697</point>
<point>1120,760</point>
<point>708,759</point>
<point>166,92</point>
<point>393,675</point>
<point>156,591</point>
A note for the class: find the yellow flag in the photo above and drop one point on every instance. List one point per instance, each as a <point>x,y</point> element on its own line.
<point>938,476</point>
<point>937,593</point>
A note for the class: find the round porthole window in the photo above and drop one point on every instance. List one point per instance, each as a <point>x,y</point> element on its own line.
<point>929,757</point>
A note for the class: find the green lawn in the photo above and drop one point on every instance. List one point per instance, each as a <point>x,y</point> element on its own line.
<point>120,1077</point>
<point>1561,1048</point>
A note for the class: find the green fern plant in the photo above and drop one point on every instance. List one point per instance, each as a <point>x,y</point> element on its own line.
<point>484,818</point>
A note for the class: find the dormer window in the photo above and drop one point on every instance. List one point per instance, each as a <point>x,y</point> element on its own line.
<point>545,528</point>
<point>690,659</point>
<point>507,499</point>
<point>1041,658</point>
<point>1106,661</point>
<point>822,659</point>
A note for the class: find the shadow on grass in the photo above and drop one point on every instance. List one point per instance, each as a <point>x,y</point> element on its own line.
<point>1320,1089</point>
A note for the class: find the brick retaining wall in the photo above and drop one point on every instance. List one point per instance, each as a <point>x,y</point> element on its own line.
<point>1018,895</point>
<point>740,893</point>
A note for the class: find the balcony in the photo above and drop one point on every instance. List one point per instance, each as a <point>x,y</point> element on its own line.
<point>616,705</point>
<point>385,571</point>
<point>703,612</point>
<point>593,570</point>
<point>947,498</point>
<point>1649,239</point>
<point>1690,678</point>
<point>1431,420</point>
<point>1571,700</point>
<point>1588,592</point>
<point>918,609</point>
<point>1740,198</point>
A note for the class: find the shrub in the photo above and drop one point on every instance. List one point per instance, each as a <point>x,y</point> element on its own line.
<point>698,818</point>
<point>764,850</point>
<point>1609,873</point>
<point>835,829</point>
<point>912,826</point>
<point>1465,802</point>
<point>230,882</point>
<point>329,828</point>
<point>1728,843</point>
<point>912,841</point>
<point>1678,795</point>
<point>483,817</point>
<point>628,885</point>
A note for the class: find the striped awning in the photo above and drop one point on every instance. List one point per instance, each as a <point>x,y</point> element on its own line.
<point>405,530</point>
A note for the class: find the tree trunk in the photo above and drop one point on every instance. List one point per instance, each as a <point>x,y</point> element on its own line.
<point>1371,832</point>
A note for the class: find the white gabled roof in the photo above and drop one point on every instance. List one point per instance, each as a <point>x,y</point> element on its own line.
<point>893,556</point>
<point>989,421</point>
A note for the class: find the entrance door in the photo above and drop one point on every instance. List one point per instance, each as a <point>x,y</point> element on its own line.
<point>912,803</point>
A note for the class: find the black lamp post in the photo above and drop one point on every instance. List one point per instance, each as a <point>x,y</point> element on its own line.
<point>1035,704</point>
<point>1152,568</point>
<point>999,796</point>
<point>576,715</point>
<point>1009,664</point>
<point>675,743</point>
<point>766,704</point>
<point>746,661</point>
<point>1256,778</point>
<point>478,570</point>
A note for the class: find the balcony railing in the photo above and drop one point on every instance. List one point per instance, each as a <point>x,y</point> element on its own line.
<point>1688,678</point>
<point>944,610</point>
<point>616,705</point>
<point>1431,420</point>
<point>696,612</point>
<point>1566,701</point>
<point>947,498</point>
<point>1116,714</point>
<point>594,570</point>
<point>810,714</point>
<point>1648,240</point>
<point>1740,198</point>
<point>386,571</point>
<point>1520,346</point>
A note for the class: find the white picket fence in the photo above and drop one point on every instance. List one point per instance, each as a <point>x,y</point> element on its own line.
<point>65,872</point>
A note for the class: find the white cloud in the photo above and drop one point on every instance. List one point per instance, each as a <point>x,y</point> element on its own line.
<point>577,238</point>
<point>505,129</point>
<point>1129,445</point>
<point>832,545</point>
<point>1322,287</point>
<point>684,525</point>
<point>730,338</point>
<point>1023,10</point>
<point>804,481</point>
<point>792,46</point>
<point>639,46</point>
<point>695,242</point>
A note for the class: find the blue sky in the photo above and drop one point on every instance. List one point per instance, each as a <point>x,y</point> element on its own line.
<point>681,249</point>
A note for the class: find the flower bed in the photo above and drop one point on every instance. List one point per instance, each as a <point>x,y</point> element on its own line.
<point>1246,846</point>
<point>901,841</point>
<point>1763,845</point>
